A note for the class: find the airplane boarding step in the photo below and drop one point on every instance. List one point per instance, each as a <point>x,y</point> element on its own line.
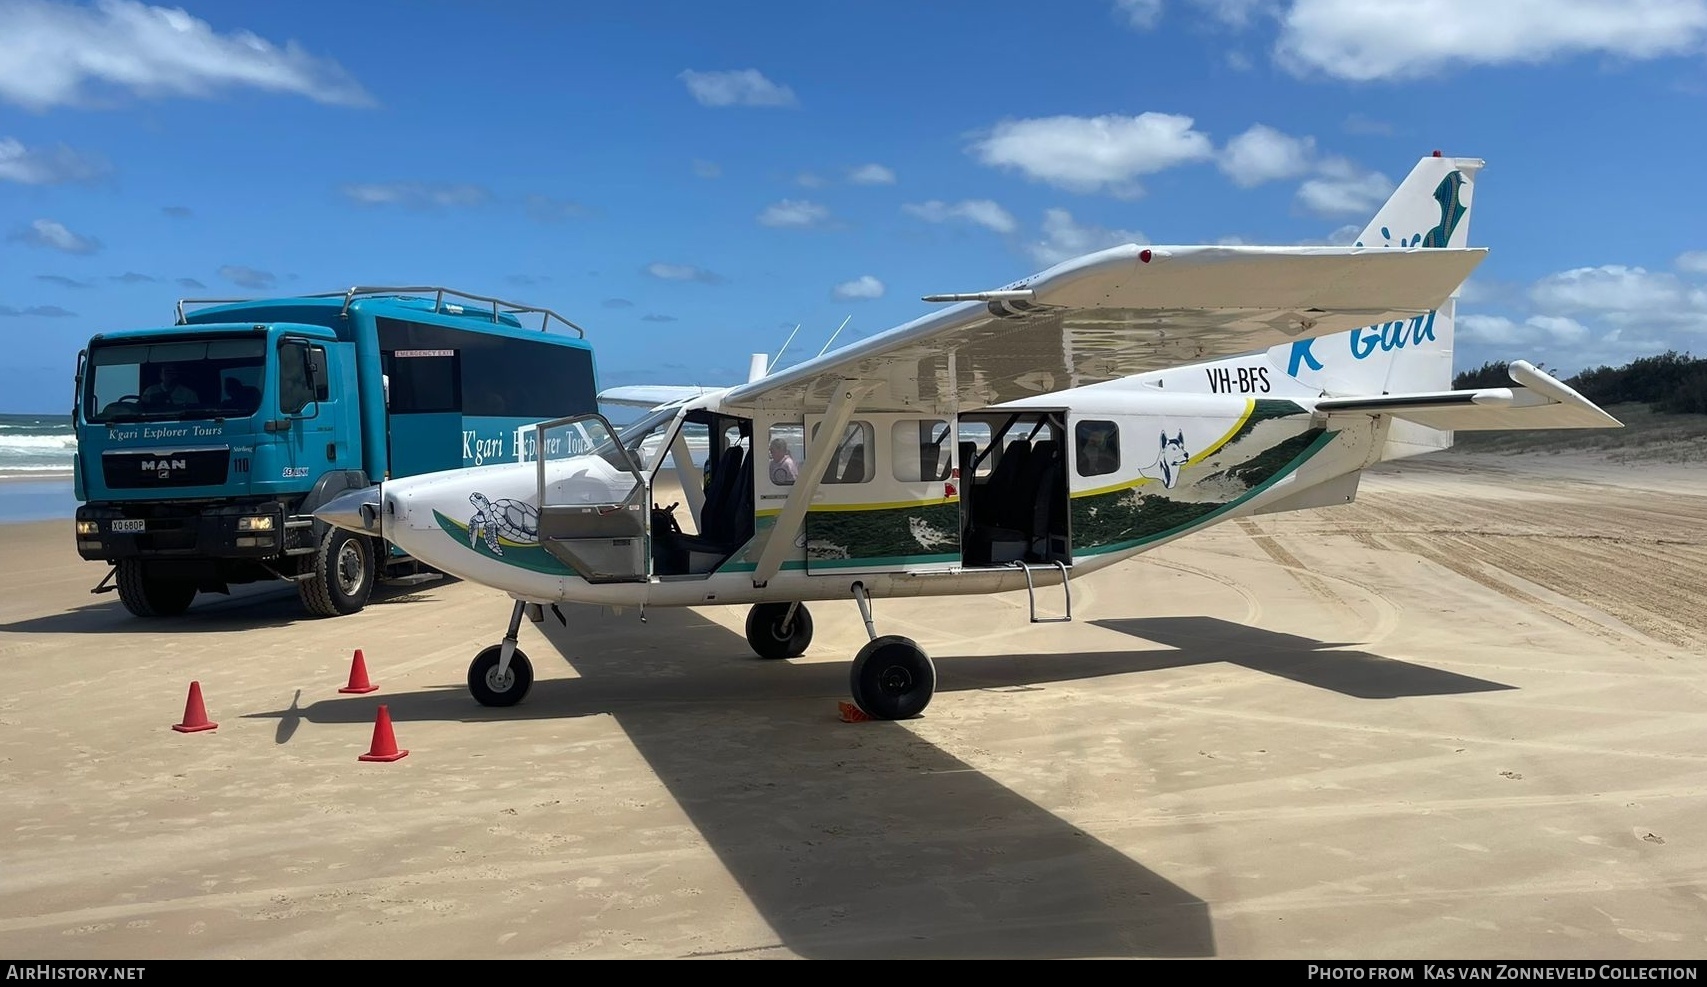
<point>1031,591</point>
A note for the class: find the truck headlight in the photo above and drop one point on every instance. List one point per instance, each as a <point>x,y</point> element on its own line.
<point>88,527</point>
<point>260,522</point>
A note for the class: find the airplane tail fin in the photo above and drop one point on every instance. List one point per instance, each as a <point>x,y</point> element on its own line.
<point>1430,208</point>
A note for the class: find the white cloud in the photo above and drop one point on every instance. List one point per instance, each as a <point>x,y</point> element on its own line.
<point>1357,123</point>
<point>1088,154</point>
<point>1344,188</point>
<point>794,213</point>
<point>1141,14</point>
<point>1264,154</point>
<point>807,179</point>
<point>871,174</point>
<point>548,209</point>
<point>1559,327</point>
<point>42,311</point>
<point>1694,261</point>
<point>982,212</point>
<point>60,54</point>
<point>54,236</point>
<point>1064,238</point>
<point>742,87</point>
<point>680,272</point>
<point>1537,330</point>
<point>414,195</point>
<point>1344,236</point>
<point>1359,40</point>
<point>1610,288</point>
<point>248,277</point>
<point>707,169</point>
<point>1237,13</point>
<point>55,165</point>
<point>864,286</point>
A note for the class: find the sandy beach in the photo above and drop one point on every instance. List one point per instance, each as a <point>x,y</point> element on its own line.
<point>1462,718</point>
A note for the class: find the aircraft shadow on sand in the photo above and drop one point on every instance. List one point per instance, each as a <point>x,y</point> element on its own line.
<point>854,842</point>
<point>1359,674</point>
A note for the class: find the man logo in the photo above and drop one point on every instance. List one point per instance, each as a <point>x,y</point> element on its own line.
<point>163,467</point>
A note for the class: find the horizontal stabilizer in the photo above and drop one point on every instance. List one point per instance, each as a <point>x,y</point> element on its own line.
<point>1539,401</point>
<point>651,395</point>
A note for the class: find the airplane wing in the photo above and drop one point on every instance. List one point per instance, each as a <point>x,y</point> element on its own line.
<point>1539,401</point>
<point>1118,312</point>
<point>651,395</point>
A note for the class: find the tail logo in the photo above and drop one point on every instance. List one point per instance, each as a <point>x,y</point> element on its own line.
<point>1452,210</point>
<point>1392,336</point>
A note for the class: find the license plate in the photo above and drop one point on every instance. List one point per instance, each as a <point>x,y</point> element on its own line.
<point>137,524</point>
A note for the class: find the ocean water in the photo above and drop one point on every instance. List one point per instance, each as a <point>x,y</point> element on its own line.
<point>35,468</point>
<point>36,445</point>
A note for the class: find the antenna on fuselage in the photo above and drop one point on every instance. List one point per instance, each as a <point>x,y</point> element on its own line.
<point>785,343</point>
<point>833,336</point>
<point>756,368</point>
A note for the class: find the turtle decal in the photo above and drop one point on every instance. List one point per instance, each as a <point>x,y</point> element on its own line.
<point>515,520</point>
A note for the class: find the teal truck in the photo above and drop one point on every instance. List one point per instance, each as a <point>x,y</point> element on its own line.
<point>204,447</point>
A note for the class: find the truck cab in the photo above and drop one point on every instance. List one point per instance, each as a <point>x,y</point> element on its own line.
<point>204,447</point>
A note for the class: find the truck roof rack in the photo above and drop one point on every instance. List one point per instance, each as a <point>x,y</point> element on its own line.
<point>497,305</point>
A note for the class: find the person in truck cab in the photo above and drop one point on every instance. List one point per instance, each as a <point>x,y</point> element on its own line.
<point>170,389</point>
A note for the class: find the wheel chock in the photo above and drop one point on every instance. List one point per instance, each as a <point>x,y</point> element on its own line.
<point>852,713</point>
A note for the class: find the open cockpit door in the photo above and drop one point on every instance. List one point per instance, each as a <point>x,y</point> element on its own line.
<point>593,505</point>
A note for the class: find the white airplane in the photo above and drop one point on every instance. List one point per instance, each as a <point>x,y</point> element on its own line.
<point>1016,439</point>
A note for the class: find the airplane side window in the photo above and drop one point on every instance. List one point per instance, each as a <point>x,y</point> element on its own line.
<point>919,450</point>
<point>977,434</point>
<point>1098,445</point>
<point>853,458</point>
<point>786,452</point>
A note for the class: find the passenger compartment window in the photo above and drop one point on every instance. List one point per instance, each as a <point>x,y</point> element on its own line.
<point>787,450</point>
<point>1098,446</point>
<point>919,450</point>
<point>852,459</point>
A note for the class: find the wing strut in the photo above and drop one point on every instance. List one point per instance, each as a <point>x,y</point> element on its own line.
<point>788,520</point>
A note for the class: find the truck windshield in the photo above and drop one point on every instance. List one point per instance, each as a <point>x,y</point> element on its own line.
<point>181,379</point>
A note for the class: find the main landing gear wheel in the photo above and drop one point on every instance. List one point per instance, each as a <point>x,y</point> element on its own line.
<point>491,689</point>
<point>774,633</point>
<point>893,678</point>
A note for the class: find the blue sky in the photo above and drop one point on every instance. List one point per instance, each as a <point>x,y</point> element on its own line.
<point>689,181</point>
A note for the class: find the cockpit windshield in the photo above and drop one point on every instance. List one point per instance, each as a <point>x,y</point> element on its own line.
<point>180,379</point>
<point>644,438</point>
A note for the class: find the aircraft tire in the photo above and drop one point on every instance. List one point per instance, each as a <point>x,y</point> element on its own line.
<point>483,682</point>
<point>765,635</point>
<point>892,678</point>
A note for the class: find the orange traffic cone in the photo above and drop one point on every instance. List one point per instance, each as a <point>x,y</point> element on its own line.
<point>384,747</point>
<point>358,676</point>
<point>195,714</point>
<point>852,713</point>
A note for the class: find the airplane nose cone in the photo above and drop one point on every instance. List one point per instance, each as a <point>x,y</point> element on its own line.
<point>354,510</point>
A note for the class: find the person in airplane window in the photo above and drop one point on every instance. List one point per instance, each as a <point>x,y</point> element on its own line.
<point>783,468</point>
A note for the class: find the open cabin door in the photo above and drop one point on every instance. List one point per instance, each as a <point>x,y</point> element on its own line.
<point>1015,498</point>
<point>594,511</point>
<point>888,499</point>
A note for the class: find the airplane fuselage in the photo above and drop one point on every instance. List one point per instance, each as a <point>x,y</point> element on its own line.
<point>1076,481</point>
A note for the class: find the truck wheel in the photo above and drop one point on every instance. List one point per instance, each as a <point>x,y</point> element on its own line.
<point>343,575</point>
<point>147,597</point>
